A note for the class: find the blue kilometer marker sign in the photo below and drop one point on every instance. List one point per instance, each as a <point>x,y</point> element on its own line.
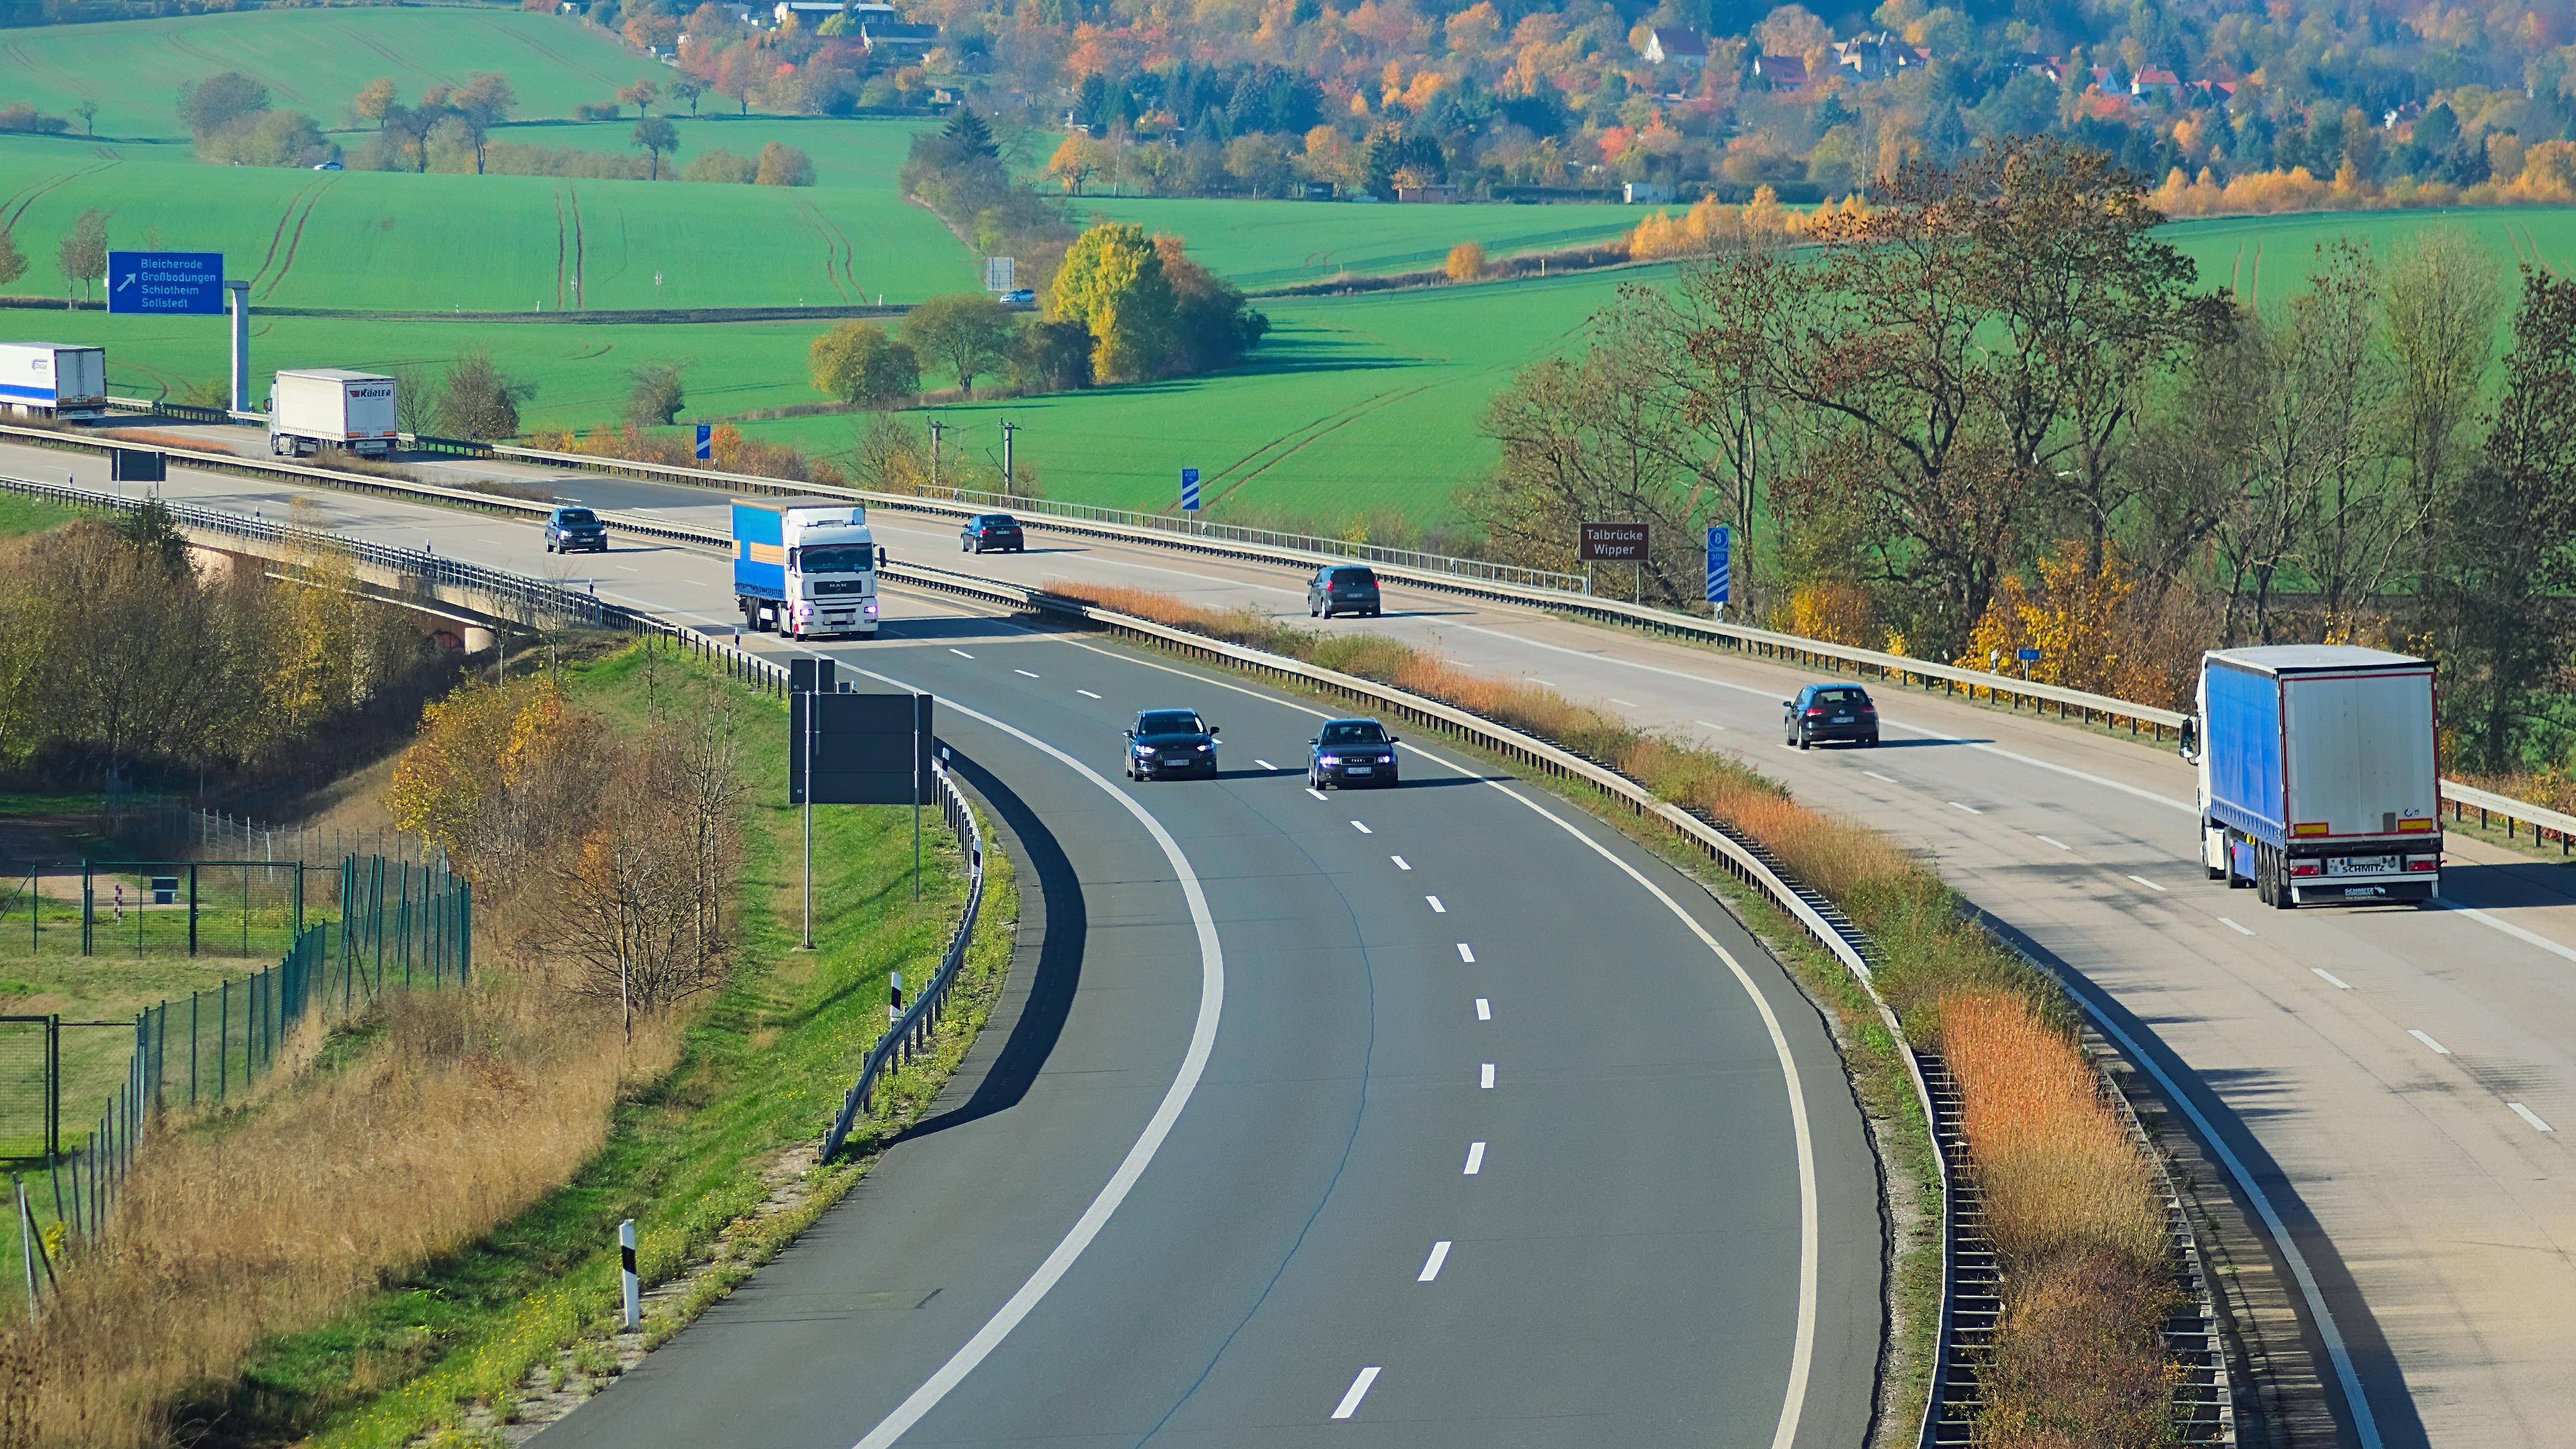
<point>1718,582</point>
<point>189,284</point>
<point>1189,490</point>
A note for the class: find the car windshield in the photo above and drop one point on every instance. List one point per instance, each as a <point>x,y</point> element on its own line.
<point>846,558</point>
<point>576,516</point>
<point>1841,696</point>
<point>1355,732</point>
<point>1168,722</point>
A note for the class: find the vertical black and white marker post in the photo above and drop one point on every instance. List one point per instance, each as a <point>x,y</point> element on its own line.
<point>626,1273</point>
<point>894,1001</point>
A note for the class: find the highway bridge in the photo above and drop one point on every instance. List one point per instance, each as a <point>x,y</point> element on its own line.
<point>2389,1085</point>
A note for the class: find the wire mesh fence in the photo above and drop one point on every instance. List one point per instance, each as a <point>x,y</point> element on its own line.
<point>30,1097</point>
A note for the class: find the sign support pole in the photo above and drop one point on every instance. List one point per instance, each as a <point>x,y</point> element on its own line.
<point>809,821</point>
<point>237,295</point>
<point>916,802</point>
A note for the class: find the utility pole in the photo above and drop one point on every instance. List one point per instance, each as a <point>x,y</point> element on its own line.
<point>937,430</point>
<point>1008,428</point>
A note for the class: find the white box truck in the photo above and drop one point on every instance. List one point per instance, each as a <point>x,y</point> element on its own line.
<point>2318,774</point>
<point>314,406</point>
<point>53,380</point>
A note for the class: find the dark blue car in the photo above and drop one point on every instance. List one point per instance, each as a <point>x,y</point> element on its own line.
<point>569,529</point>
<point>1350,752</point>
<point>1170,742</point>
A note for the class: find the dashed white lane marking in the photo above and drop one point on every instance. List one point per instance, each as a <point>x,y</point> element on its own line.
<point>2531,938</point>
<point>1971,809</point>
<point>1357,825</point>
<point>2151,885</point>
<point>1704,724</point>
<point>1024,672</point>
<point>1311,790</point>
<point>1484,1009</point>
<point>960,653</point>
<point>1358,1390</point>
<point>1265,764</point>
<point>1439,1255</point>
<point>1466,955</point>
<point>1486,1080</point>
<point>2051,840</point>
<point>1882,779</point>
<point>1534,679</point>
<point>1475,1159</point>
<point>2526,1114</point>
<point>1437,909</point>
<point>1087,694</point>
<point>2231,925</point>
<point>1400,862</point>
<point>2438,1048</point>
<point>1623,703</point>
<point>2331,979</point>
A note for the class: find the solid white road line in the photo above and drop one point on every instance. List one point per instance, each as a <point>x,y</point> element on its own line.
<point>1185,1082</point>
<point>1359,1388</point>
<point>2231,925</point>
<point>2331,979</point>
<point>1311,790</point>
<point>1534,679</point>
<point>2151,885</point>
<point>1704,724</point>
<point>1882,779</point>
<point>1024,672</point>
<point>2438,1048</point>
<point>1399,862</point>
<point>960,653</point>
<point>2051,840</point>
<point>1437,909</point>
<point>1087,694</point>
<point>1484,1009</point>
<point>1475,1159</point>
<point>1360,827</point>
<point>1971,809</point>
<point>1487,1081</point>
<point>1466,955</point>
<point>1623,703</point>
<point>1431,1265</point>
<point>2526,1114</point>
<point>2531,938</point>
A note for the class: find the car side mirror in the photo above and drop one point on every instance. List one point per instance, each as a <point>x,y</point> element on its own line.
<point>1315,740</point>
<point>1395,739</point>
<point>1788,704</point>
<point>881,556</point>
<point>2188,743</point>
<point>1131,734</point>
<point>1212,731</point>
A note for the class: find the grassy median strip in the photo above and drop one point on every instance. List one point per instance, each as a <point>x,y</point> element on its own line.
<point>398,1241</point>
<point>2072,1203</point>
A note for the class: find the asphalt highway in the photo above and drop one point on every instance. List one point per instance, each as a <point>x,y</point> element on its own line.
<point>1435,1115</point>
<point>2394,1084</point>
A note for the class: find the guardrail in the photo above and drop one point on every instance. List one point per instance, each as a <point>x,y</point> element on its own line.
<point>2071,704</point>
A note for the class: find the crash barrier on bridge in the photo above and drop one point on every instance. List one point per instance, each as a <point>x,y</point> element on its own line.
<point>398,927</point>
<point>1473,578</point>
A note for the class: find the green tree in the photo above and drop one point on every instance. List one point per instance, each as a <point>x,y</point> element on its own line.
<point>87,110</point>
<point>721,166</point>
<point>859,364</point>
<point>783,165</point>
<point>13,262</point>
<point>686,89</point>
<point>655,135</point>
<point>210,105</point>
<point>655,397</point>
<point>971,135</point>
<point>969,333</point>
<point>1112,282</point>
<point>641,95</point>
<point>478,400</point>
<point>374,100</point>
<point>484,101</point>
<point>83,254</point>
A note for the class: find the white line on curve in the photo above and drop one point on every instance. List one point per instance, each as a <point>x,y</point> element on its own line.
<point>1971,809</point>
<point>1475,1159</point>
<point>1166,1113</point>
<point>960,653</point>
<point>1623,703</point>
<point>1357,825</point>
<point>2331,979</point>
<point>1087,694</point>
<point>2231,925</point>
<point>1359,1388</point>
<point>2151,885</point>
<point>1431,1265</point>
<point>1534,679</point>
<point>2526,1114</point>
<point>1882,779</point>
<point>1400,863</point>
<point>2438,1048</point>
<point>1023,671</point>
<point>1486,1081</point>
<point>2532,938</point>
<point>1466,955</point>
<point>1704,724</point>
<point>1484,1009</point>
<point>2051,840</point>
<point>1437,909</point>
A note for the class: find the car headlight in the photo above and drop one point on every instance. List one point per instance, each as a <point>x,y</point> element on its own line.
<point>1204,747</point>
<point>804,611</point>
<point>872,608</point>
<point>1330,760</point>
<point>1144,749</point>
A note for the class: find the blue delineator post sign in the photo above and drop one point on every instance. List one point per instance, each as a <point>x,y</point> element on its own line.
<point>1717,565</point>
<point>1189,490</point>
<point>706,442</point>
<point>2027,656</point>
<point>166,283</point>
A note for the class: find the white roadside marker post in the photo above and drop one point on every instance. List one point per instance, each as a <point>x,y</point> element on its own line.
<point>626,1273</point>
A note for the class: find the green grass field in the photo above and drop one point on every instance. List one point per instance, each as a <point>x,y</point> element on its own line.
<point>1275,243</point>
<point>311,60</point>
<point>2266,259</point>
<point>862,152</point>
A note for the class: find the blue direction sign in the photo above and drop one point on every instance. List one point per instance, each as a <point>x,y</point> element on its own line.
<point>1189,490</point>
<point>1717,565</point>
<point>706,443</point>
<point>166,283</point>
<point>2027,656</point>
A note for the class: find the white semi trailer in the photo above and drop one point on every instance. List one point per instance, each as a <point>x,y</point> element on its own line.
<point>53,380</point>
<point>312,407</point>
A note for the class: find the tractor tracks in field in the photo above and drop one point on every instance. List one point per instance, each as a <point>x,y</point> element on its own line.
<point>277,234</point>
<point>295,238</point>
<point>568,245</point>
<point>836,247</point>
<point>16,205</point>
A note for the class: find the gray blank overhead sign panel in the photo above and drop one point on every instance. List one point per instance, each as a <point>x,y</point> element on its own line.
<point>865,749</point>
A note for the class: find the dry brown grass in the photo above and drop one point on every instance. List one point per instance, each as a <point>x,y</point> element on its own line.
<point>2079,1360</point>
<point>472,1106</point>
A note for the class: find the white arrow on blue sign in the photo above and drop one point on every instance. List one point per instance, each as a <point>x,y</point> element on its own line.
<point>1189,490</point>
<point>166,283</point>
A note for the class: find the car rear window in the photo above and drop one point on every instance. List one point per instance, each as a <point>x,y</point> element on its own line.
<point>1354,732</point>
<point>1841,696</point>
<point>1000,520</point>
<point>576,515</point>
<point>1354,576</point>
<point>1168,722</point>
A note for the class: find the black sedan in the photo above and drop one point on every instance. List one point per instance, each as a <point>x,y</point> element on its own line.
<point>1171,742</point>
<point>987,531</point>
<point>568,529</point>
<point>1350,752</point>
<point>1830,712</point>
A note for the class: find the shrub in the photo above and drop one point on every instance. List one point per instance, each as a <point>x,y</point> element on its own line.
<point>859,364</point>
<point>479,401</point>
<point>1466,262</point>
<point>720,165</point>
<point>783,165</point>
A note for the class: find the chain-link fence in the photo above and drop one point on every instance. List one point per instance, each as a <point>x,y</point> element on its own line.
<point>244,908</point>
<point>30,1088</point>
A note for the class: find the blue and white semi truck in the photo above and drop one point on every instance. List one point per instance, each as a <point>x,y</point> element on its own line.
<point>805,567</point>
<point>53,380</point>
<point>2319,776</point>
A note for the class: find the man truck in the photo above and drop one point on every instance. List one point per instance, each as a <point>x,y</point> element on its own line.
<point>804,567</point>
<point>315,406</point>
<point>2318,775</point>
<point>52,380</point>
